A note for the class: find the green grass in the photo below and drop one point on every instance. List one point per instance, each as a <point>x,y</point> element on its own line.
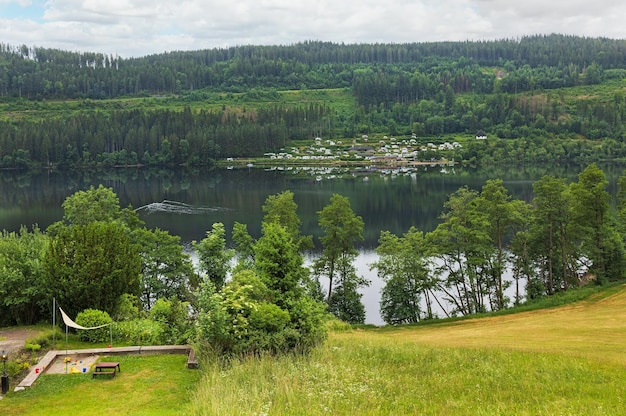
<point>340,99</point>
<point>383,376</point>
<point>564,360</point>
<point>147,385</point>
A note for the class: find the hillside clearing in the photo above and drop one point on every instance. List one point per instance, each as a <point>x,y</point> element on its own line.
<point>593,329</point>
<point>565,360</point>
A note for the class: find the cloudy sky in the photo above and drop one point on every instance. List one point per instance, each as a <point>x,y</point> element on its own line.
<point>142,27</point>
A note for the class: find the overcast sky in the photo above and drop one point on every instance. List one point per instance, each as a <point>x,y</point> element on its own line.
<point>142,27</point>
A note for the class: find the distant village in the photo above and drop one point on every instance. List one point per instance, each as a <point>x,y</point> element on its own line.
<point>388,150</point>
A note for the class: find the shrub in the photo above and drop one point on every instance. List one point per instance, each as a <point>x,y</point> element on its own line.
<point>17,366</point>
<point>336,325</point>
<point>128,308</point>
<point>269,317</point>
<point>235,321</point>
<point>45,338</point>
<point>139,332</point>
<point>173,315</point>
<point>90,318</point>
<point>33,348</point>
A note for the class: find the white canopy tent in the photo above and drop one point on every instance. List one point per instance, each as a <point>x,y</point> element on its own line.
<point>69,323</point>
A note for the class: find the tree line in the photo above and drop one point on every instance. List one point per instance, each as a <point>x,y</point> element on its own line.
<point>519,132</point>
<point>38,73</point>
<point>155,137</point>
<point>566,237</point>
<point>521,89</point>
<point>259,293</point>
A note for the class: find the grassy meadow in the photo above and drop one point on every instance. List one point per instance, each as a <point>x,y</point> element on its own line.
<point>566,360</point>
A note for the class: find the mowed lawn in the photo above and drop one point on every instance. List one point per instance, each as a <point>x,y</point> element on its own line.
<point>147,385</point>
<point>594,329</point>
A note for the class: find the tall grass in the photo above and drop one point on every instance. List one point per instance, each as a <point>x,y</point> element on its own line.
<point>383,376</point>
<point>566,360</point>
<point>562,361</point>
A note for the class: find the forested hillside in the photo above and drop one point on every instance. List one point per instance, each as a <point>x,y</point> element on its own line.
<point>564,94</point>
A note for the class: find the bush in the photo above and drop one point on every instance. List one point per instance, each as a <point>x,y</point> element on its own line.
<point>90,318</point>
<point>269,317</point>
<point>335,325</point>
<point>45,339</point>
<point>18,366</point>
<point>139,332</point>
<point>128,308</point>
<point>173,315</point>
<point>235,322</point>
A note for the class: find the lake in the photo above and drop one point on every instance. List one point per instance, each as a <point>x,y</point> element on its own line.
<point>186,202</point>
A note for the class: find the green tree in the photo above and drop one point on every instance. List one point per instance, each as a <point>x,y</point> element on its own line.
<point>279,264</point>
<point>463,248</point>
<point>519,248</point>
<point>90,266</point>
<point>496,203</point>
<point>213,256</point>
<point>553,246</point>
<point>621,206</point>
<point>282,209</point>
<point>342,229</point>
<point>404,265</point>
<point>95,204</point>
<point>23,284</point>
<point>166,270</point>
<point>595,228</point>
<point>244,247</point>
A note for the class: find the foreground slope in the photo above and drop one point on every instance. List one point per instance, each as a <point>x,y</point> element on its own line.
<point>562,361</point>
<point>567,360</point>
<point>594,328</point>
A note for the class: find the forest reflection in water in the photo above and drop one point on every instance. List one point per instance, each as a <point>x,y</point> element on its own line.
<point>186,202</point>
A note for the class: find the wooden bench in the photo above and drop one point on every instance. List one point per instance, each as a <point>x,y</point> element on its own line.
<point>105,369</point>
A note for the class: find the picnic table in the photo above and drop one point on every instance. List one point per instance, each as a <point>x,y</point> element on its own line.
<point>105,368</point>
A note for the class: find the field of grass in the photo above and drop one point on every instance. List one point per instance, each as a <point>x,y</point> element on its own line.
<point>340,99</point>
<point>567,360</point>
<point>147,385</point>
<point>561,361</point>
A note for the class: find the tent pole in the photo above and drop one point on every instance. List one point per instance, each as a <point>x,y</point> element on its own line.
<point>66,342</point>
<point>54,322</point>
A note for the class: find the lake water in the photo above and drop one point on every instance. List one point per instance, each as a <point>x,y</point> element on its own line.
<point>187,202</point>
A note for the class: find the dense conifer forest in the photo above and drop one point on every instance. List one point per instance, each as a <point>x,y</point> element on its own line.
<point>537,98</point>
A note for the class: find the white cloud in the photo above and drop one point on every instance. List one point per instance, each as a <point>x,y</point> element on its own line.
<point>141,27</point>
<point>21,3</point>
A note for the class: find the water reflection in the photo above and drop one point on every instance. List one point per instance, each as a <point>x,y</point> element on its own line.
<point>186,202</point>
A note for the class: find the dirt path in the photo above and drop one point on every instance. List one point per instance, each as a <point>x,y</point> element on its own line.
<point>13,339</point>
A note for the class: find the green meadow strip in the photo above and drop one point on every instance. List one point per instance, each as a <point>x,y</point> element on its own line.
<point>382,376</point>
<point>147,385</point>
